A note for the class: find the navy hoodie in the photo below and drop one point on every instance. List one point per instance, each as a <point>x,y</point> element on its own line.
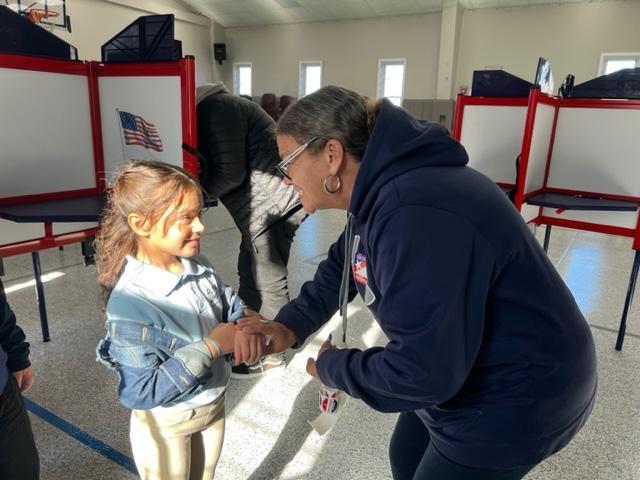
<point>486,342</point>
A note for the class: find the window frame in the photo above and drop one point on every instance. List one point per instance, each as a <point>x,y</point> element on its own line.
<point>382,64</point>
<point>236,76</point>
<point>606,57</point>
<point>302,74</point>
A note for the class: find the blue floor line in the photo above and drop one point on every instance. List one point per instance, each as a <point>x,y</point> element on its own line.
<point>83,437</point>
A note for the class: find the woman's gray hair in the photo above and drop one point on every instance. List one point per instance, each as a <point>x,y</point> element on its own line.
<point>330,112</point>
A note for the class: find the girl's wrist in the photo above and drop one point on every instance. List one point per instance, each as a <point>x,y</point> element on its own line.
<point>214,347</point>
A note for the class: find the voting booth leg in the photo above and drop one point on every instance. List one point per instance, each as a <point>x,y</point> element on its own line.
<point>88,251</point>
<point>547,236</point>
<point>628,300</point>
<point>35,257</point>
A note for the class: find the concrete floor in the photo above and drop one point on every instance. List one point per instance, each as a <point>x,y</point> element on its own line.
<point>82,430</point>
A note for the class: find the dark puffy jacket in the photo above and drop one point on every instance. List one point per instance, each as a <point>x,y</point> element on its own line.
<point>236,137</point>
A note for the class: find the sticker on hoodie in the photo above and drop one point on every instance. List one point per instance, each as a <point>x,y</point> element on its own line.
<point>359,267</point>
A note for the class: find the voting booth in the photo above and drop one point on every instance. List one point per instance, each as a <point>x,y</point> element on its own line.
<point>584,172</point>
<point>579,159</point>
<point>67,125</point>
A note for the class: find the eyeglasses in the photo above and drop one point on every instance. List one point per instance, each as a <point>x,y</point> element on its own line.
<point>283,166</point>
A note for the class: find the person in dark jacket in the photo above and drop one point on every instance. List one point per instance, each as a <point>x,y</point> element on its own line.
<point>489,360</point>
<point>237,139</point>
<point>18,454</point>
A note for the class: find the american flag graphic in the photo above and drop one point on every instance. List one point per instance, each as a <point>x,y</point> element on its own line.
<point>137,131</point>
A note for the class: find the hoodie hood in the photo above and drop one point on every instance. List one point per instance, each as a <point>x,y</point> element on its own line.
<point>204,91</point>
<point>399,143</point>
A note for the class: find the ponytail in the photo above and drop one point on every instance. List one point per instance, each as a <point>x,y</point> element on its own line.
<point>373,109</point>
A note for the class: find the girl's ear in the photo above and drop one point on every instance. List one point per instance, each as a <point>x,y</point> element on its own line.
<point>138,224</point>
<point>336,155</point>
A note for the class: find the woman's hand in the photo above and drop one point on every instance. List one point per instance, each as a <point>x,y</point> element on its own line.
<point>311,363</point>
<point>277,337</point>
<point>248,348</point>
<point>24,378</point>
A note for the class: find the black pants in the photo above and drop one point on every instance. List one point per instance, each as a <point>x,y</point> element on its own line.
<point>18,455</point>
<point>413,457</point>
<point>262,266</point>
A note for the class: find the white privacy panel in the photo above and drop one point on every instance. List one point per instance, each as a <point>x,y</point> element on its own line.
<point>597,150</point>
<point>11,232</point>
<point>539,152</point>
<point>529,212</point>
<point>610,218</point>
<point>45,133</point>
<point>60,228</point>
<point>492,136</point>
<point>156,101</point>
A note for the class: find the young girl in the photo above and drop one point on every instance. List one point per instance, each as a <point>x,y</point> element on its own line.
<point>168,321</point>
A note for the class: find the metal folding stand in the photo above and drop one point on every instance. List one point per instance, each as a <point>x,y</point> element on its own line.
<point>578,202</point>
<point>42,304</point>
<point>82,209</point>
<point>547,236</point>
<point>627,302</point>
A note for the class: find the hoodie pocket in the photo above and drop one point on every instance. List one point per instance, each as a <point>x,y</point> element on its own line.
<point>452,422</point>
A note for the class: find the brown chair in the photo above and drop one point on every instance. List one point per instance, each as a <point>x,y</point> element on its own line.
<point>270,105</point>
<point>285,101</point>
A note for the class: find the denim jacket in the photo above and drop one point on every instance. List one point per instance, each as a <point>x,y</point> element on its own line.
<point>158,366</point>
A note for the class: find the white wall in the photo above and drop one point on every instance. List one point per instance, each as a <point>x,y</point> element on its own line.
<point>572,37</point>
<point>94,22</point>
<point>349,49</point>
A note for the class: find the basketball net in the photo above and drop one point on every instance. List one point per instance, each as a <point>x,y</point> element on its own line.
<point>37,15</point>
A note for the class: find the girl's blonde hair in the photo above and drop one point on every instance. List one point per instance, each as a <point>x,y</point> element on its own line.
<point>147,188</point>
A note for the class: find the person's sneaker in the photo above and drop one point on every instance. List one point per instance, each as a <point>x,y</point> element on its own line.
<point>244,371</point>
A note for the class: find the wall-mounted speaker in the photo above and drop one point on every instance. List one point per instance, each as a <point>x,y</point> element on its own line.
<point>220,52</point>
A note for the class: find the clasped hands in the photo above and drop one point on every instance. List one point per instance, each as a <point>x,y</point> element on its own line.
<point>275,337</point>
<point>253,336</point>
<point>246,348</point>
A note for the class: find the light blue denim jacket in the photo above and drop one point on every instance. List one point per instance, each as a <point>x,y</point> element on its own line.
<point>156,322</point>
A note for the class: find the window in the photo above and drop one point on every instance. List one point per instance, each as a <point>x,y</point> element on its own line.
<point>310,78</point>
<point>612,62</point>
<point>391,79</point>
<point>242,79</point>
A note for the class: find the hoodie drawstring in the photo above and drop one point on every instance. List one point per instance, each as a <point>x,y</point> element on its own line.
<point>343,297</point>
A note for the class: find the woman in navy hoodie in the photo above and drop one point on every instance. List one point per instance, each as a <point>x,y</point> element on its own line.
<point>489,360</point>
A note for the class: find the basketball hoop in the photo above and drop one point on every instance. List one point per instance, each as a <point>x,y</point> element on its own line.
<point>37,15</point>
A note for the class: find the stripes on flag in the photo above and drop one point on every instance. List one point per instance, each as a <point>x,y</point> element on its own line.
<point>137,131</point>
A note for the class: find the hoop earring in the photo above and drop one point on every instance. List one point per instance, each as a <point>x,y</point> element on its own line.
<point>326,189</point>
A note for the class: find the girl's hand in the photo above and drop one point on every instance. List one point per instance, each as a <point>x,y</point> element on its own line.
<point>278,337</point>
<point>311,363</point>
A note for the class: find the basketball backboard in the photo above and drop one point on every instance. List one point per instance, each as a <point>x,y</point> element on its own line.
<point>47,13</point>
